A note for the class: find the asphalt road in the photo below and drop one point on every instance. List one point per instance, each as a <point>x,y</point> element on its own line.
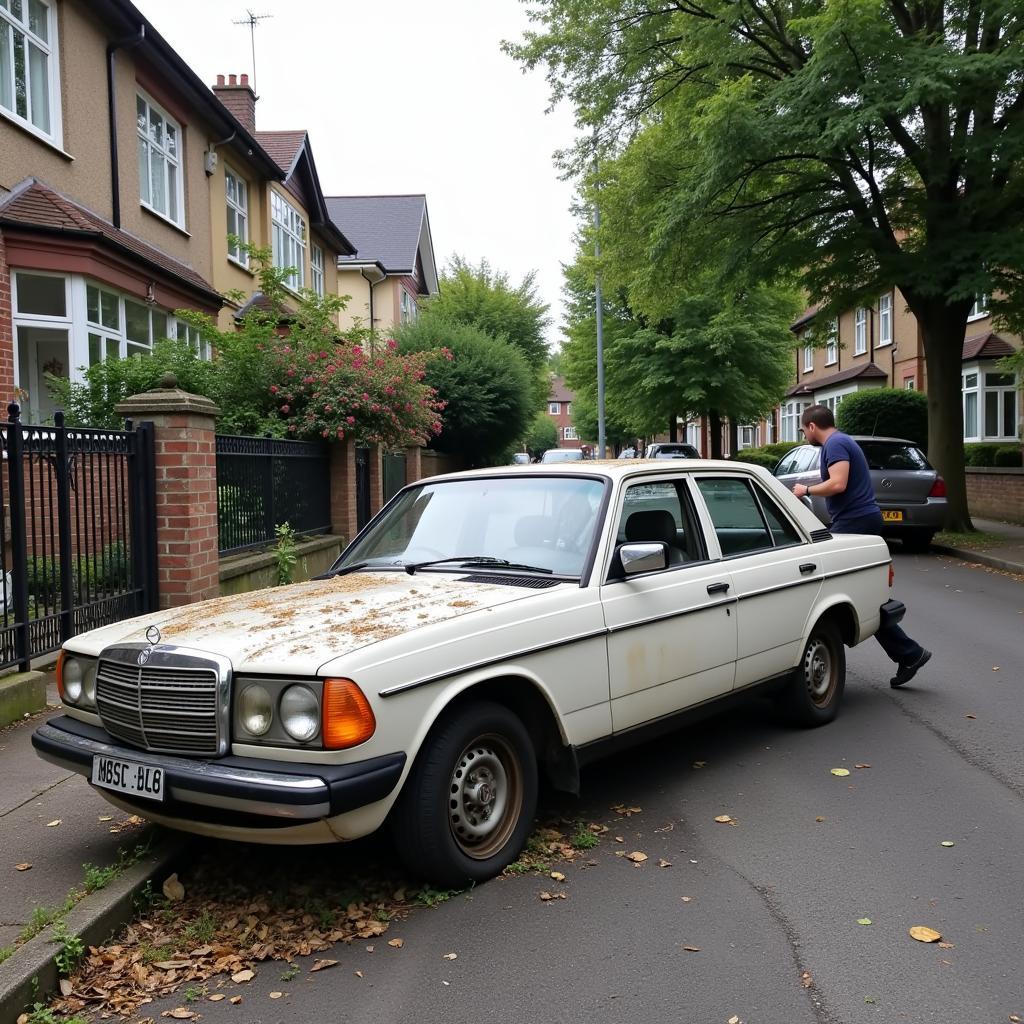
<point>774,900</point>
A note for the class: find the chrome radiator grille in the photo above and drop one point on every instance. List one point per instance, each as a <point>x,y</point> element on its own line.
<point>162,708</point>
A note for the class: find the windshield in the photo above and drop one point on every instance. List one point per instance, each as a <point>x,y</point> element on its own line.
<point>563,455</point>
<point>543,521</point>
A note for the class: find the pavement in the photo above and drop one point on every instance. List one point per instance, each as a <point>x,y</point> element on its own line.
<point>54,821</point>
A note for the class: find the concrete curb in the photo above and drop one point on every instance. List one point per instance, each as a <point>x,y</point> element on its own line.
<point>30,973</point>
<point>980,558</point>
<point>23,693</point>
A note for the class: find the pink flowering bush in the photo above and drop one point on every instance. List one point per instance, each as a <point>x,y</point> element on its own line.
<point>372,395</point>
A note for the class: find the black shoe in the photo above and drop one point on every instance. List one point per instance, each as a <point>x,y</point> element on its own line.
<point>908,669</point>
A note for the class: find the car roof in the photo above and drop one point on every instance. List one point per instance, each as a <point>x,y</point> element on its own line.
<point>864,437</point>
<point>614,469</point>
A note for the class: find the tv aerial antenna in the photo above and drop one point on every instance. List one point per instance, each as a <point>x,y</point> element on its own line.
<point>252,20</point>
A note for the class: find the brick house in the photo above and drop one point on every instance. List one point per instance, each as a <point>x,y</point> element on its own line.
<point>560,401</point>
<point>393,269</point>
<point>121,176</point>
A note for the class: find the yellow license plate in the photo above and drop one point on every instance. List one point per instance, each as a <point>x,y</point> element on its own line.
<point>892,515</point>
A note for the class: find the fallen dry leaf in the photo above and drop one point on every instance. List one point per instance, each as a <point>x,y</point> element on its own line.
<point>235,1000</point>
<point>66,988</point>
<point>451,956</point>
<point>358,974</point>
<point>54,823</point>
<point>636,857</point>
<point>946,945</point>
<point>924,934</point>
<point>819,818</point>
<point>558,876</point>
<point>173,889</point>
<point>619,839</point>
<point>240,977</point>
<point>806,980</point>
<point>548,896</point>
<point>275,995</point>
<point>862,766</point>
<point>216,997</point>
<point>863,920</point>
<point>841,772</point>
<point>724,819</point>
<point>691,949</point>
<point>322,965</point>
<point>397,943</point>
<point>686,899</point>
<point>700,764</point>
<point>970,716</point>
<point>1013,1019</point>
<point>947,843</point>
<point>105,817</point>
<point>662,863</point>
<point>179,1013</point>
<point>734,1020</point>
<point>995,668</point>
<point>23,867</point>
<point>626,811</point>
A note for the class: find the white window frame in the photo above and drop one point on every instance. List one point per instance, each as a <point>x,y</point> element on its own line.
<point>980,308</point>
<point>860,331</point>
<point>789,418</point>
<point>982,391</point>
<point>909,383</point>
<point>50,48</point>
<point>569,434</point>
<point>885,320</point>
<point>832,344</point>
<point>237,204</point>
<point>176,161</point>
<point>554,408</point>
<point>316,270</point>
<point>808,358</point>
<point>288,239</point>
<point>747,436</point>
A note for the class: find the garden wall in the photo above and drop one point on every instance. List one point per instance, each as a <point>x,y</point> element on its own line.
<point>996,493</point>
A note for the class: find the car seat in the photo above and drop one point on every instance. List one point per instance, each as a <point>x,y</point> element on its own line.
<point>655,525</point>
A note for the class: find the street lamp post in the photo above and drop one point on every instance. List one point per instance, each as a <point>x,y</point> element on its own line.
<point>599,316</point>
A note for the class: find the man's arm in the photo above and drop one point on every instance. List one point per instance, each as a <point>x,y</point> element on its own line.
<point>838,478</point>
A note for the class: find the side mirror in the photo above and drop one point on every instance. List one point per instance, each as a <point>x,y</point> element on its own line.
<point>643,556</point>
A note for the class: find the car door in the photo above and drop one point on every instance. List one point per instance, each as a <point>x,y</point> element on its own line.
<point>774,574</point>
<point>803,465</point>
<point>671,633</point>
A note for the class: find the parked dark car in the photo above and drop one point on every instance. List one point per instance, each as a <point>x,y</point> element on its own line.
<point>671,450</point>
<point>910,493</point>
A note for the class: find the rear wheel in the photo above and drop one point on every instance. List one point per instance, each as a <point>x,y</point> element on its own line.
<point>917,542</point>
<point>467,807</point>
<point>813,694</point>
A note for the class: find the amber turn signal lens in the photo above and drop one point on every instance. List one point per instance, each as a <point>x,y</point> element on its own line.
<point>347,716</point>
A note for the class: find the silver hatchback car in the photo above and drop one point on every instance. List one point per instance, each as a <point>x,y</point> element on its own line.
<point>910,493</point>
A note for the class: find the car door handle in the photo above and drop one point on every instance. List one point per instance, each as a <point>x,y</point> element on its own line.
<point>717,588</point>
<point>808,567</point>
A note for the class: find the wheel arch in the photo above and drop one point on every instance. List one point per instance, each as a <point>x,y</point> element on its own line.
<point>842,612</point>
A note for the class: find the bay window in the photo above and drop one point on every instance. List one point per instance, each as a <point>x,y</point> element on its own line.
<point>990,405</point>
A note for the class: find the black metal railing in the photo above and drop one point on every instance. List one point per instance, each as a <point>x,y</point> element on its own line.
<point>393,464</point>
<point>264,482</point>
<point>362,487</point>
<point>78,533</point>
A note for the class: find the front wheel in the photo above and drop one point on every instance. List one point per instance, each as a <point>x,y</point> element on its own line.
<point>467,806</point>
<point>813,694</point>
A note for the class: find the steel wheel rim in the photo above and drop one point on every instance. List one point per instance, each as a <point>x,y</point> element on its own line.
<point>485,796</point>
<point>819,671</point>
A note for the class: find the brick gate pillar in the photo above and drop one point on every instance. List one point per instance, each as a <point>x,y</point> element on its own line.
<point>344,517</point>
<point>376,479</point>
<point>413,464</point>
<point>185,459</point>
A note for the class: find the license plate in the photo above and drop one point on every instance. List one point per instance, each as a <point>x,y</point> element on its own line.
<point>128,777</point>
<point>890,515</point>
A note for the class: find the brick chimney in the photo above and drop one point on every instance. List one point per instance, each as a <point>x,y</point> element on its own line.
<point>238,97</point>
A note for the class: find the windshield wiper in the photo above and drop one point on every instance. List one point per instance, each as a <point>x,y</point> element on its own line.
<point>487,560</point>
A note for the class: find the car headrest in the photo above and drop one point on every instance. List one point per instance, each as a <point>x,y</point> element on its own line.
<point>654,524</point>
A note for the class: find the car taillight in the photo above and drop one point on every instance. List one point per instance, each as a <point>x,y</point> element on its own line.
<point>892,573</point>
<point>938,488</point>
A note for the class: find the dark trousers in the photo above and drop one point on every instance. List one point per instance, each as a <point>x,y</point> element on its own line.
<point>894,641</point>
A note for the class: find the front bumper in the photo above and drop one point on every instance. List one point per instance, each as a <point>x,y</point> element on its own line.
<point>240,790</point>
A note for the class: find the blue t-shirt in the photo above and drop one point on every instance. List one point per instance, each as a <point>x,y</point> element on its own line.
<point>859,497</point>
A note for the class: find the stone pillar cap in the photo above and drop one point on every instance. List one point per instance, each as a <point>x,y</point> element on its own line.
<point>166,400</point>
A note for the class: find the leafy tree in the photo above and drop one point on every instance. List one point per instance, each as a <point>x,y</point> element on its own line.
<point>484,298</point>
<point>487,387</point>
<point>861,145</point>
<point>542,435</point>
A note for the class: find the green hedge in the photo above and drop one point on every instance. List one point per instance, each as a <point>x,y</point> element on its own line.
<point>886,412</point>
<point>1010,455</point>
<point>766,456</point>
<point>992,453</point>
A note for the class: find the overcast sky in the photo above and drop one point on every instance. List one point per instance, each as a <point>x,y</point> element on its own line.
<point>406,96</point>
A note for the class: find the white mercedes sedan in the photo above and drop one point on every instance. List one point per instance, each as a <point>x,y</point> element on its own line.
<point>485,627</point>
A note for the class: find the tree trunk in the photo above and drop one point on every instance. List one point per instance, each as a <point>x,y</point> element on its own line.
<point>734,438</point>
<point>672,436</point>
<point>942,330</point>
<point>715,429</point>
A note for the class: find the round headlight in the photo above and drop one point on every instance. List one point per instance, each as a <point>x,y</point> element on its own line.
<point>89,685</point>
<point>72,678</point>
<point>300,713</point>
<point>256,710</point>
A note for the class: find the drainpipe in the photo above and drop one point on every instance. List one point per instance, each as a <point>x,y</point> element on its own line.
<point>128,43</point>
<point>362,274</point>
